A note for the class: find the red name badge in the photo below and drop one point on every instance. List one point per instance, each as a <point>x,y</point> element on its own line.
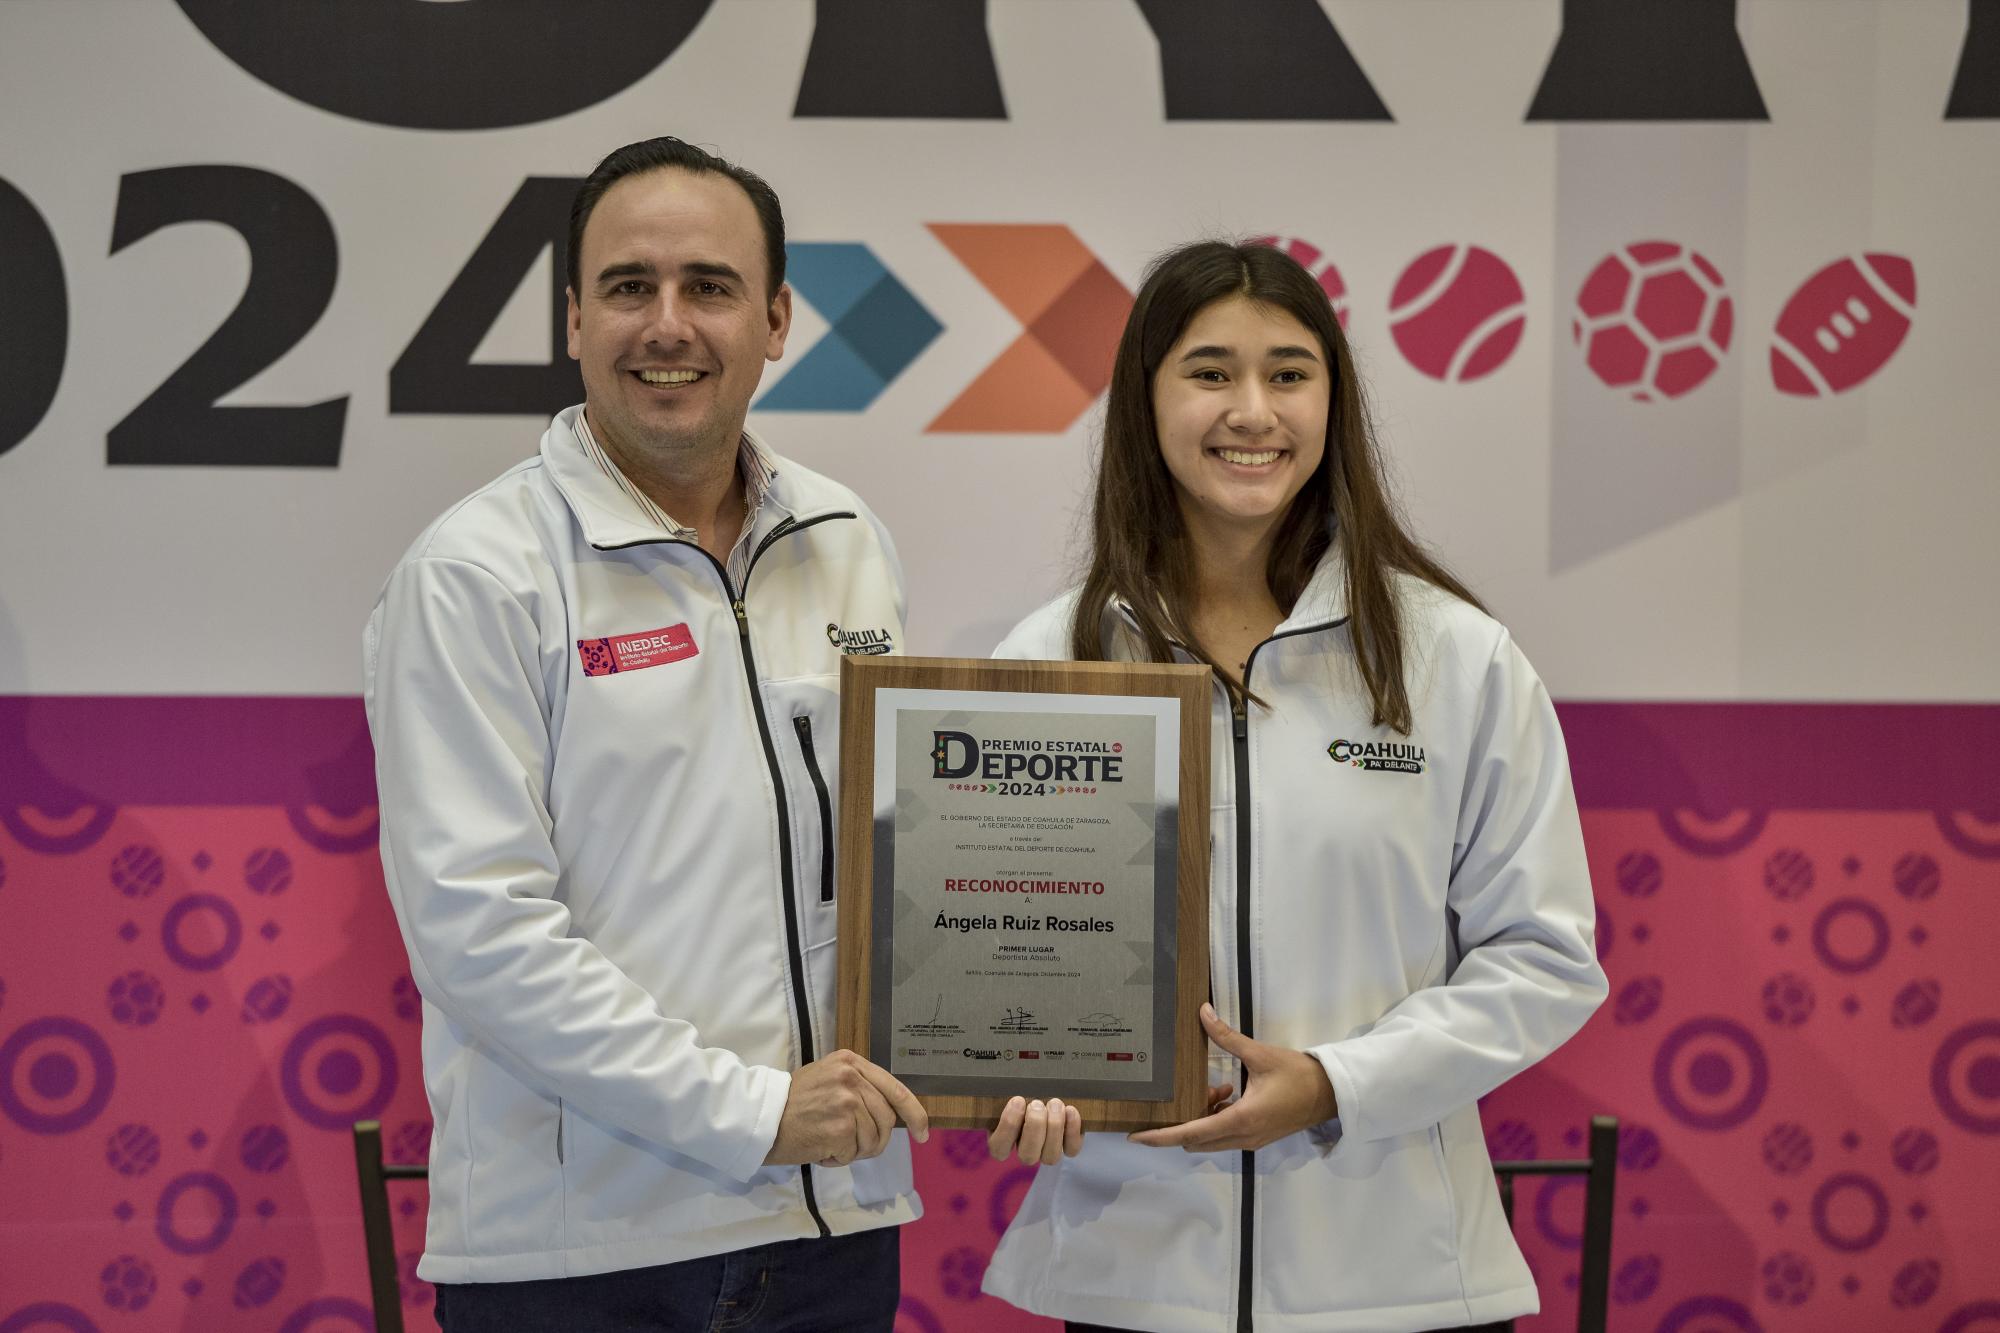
<point>634,652</point>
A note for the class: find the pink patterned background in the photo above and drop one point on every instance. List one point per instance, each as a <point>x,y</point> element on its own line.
<point>201,986</point>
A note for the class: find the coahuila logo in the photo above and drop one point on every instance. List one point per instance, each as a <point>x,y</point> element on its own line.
<point>1379,756</point>
<point>957,754</point>
<point>873,642</point>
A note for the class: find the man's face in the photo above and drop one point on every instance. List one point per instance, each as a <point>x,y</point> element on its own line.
<point>675,320</point>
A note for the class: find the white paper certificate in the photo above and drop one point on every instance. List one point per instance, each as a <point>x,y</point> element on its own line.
<point>1025,890</point>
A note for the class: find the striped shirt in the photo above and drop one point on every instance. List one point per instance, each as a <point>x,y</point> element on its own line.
<point>754,466</point>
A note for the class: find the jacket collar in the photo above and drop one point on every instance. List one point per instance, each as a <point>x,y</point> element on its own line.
<point>1322,604</point>
<point>1324,601</point>
<point>613,513</point>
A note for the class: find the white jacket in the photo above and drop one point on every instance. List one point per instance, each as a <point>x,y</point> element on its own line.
<point>1424,934</point>
<point>616,889</point>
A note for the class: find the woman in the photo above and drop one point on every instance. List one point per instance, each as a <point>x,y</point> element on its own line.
<point>1400,911</point>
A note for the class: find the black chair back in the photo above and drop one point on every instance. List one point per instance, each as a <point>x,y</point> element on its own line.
<point>1600,1170</point>
<point>385,1290</point>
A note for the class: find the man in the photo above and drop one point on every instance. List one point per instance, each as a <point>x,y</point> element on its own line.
<point>603,696</point>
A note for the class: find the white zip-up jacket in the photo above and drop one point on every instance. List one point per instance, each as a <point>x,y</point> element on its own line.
<point>606,782</point>
<point>1413,911</point>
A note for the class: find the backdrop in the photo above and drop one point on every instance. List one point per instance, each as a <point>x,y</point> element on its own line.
<point>1675,319</point>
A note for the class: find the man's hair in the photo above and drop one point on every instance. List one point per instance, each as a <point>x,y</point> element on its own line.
<point>669,152</point>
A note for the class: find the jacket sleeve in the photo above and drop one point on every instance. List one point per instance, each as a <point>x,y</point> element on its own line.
<point>1527,974</point>
<point>456,702</point>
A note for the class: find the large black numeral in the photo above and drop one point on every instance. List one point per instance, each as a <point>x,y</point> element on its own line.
<point>1273,60</point>
<point>1975,93</point>
<point>34,335</point>
<point>473,65</point>
<point>293,263</point>
<point>1648,60</point>
<point>435,373</point>
<point>889,59</point>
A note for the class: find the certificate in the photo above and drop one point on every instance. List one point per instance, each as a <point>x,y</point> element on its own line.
<point>1023,871</point>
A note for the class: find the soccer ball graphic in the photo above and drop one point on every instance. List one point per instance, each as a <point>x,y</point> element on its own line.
<point>1310,257</point>
<point>1653,318</point>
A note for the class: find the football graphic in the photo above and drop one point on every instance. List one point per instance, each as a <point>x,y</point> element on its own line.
<point>1653,318</point>
<point>1843,324</point>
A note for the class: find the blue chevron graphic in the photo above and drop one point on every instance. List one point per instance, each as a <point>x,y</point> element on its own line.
<point>877,330</point>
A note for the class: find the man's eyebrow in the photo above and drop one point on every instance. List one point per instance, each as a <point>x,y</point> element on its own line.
<point>705,268</point>
<point>1216,352</point>
<point>631,268</point>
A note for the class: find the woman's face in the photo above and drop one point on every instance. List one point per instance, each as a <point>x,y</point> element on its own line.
<point>1241,402</point>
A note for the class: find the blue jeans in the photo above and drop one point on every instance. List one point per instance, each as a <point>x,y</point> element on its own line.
<point>794,1286</point>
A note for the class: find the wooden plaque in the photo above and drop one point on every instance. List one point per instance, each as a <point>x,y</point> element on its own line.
<point>1024,884</point>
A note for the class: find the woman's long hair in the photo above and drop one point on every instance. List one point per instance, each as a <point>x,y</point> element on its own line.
<point>1139,548</point>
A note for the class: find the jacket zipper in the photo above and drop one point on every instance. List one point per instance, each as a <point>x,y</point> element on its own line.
<point>1245,1012</point>
<point>803,725</point>
<point>794,965</point>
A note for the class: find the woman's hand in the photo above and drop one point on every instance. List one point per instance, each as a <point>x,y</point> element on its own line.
<point>1040,1132</point>
<point>1286,1091</point>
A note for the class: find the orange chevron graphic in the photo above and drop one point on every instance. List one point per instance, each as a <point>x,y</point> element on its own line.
<point>1073,309</point>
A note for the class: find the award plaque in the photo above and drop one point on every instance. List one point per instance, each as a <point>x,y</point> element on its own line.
<point>1024,884</point>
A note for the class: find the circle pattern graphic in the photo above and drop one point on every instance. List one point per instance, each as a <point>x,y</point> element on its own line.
<point>1638,1148</point>
<point>128,1283</point>
<point>132,1150</point>
<point>177,919</point>
<point>138,871</point>
<point>1639,874</point>
<point>1637,1279</point>
<point>43,1087</point>
<point>136,999</point>
<point>1978,1317</point>
<point>259,1283</point>
<point>1915,1283</point>
<point>1914,1151</point>
<point>1833,1216</point>
<point>264,1149</point>
<point>1916,1004</point>
<point>1788,1278</point>
<point>326,1314</point>
<point>1554,1190</point>
<point>1917,876</point>
<point>1842,957</point>
<point>1713,838</point>
<point>1788,874</point>
<point>1788,1148</point>
<point>1788,999</point>
<point>337,1088</point>
<point>220,1195</point>
<point>267,871</point>
<point>1637,1001</point>
<point>1965,1076</point>
<point>1710,1314</point>
<point>57,832</point>
<point>1711,1073</point>
<point>48,1317</point>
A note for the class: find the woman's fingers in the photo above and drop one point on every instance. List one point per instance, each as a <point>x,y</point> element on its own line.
<point>1055,1126</point>
<point>1007,1130</point>
<point>1072,1131</point>
<point>1034,1132</point>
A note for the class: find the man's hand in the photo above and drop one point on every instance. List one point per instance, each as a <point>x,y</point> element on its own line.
<point>1041,1131</point>
<point>841,1108</point>
<point>1286,1091</point>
